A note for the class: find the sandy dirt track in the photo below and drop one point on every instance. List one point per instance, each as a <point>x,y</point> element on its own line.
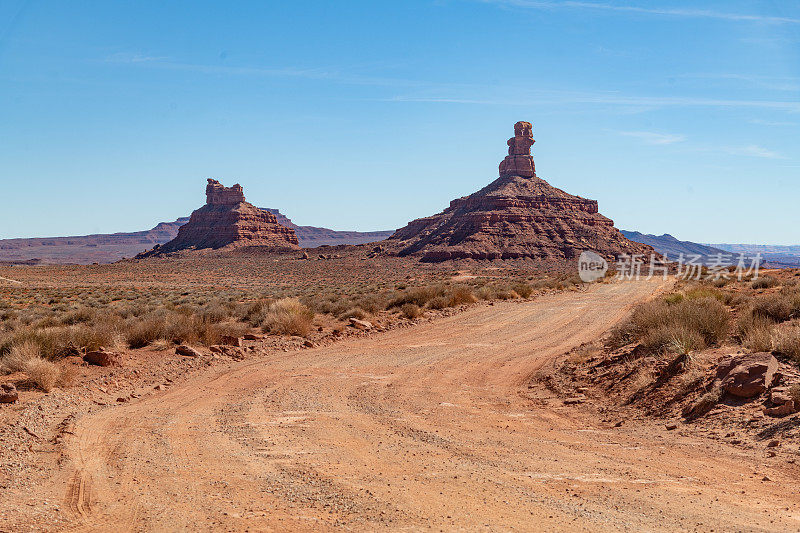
<point>425,428</point>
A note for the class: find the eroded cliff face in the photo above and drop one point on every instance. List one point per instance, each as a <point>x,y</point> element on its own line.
<point>519,215</point>
<point>228,220</point>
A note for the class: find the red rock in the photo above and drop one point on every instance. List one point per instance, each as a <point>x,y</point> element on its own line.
<point>785,409</point>
<point>231,341</point>
<point>102,357</point>
<point>188,351</point>
<point>8,393</point>
<point>519,215</point>
<point>228,221</point>
<point>360,324</point>
<point>747,375</point>
<point>780,395</point>
<point>574,401</point>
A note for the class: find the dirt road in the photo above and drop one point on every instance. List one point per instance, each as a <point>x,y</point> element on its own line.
<point>430,427</point>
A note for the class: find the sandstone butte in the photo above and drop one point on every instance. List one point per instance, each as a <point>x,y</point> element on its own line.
<point>519,215</point>
<point>229,221</point>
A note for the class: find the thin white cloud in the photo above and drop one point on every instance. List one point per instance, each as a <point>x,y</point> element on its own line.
<point>453,93</point>
<point>754,150</point>
<point>773,123</point>
<point>562,98</point>
<point>777,83</point>
<point>650,10</point>
<point>133,58</point>
<point>653,138</point>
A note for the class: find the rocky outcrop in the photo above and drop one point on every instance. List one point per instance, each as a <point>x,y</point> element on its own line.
<point>228,220</point>
<point>747,375</point>
<point>519,215</point>
<point>102,357</point>
<point>8,393</point>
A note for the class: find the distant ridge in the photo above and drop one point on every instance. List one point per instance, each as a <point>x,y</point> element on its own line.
<point>671,247</point>
<point>87,249</point>
<point>108,248</point>
<point>311,236</point>
<point>776,255</point>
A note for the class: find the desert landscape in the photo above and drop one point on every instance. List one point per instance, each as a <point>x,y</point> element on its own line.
<point>561,348</point>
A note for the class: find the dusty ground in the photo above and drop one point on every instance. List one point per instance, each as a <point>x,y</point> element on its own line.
<point>429,427</point>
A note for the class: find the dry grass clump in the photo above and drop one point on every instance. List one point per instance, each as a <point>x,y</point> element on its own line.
<point>410,311</point>
<point>288,317</point>
<point>776,307</point>
<point>764,282</point>
<point>60,341</point>
<point>681,325</point>
<point>25,357</point>
<point>787,342</point>
<point>419,296</point>
<point>672,338</point>
<point>756,334</point>
<point>178,327</point>
<point>524,289</point>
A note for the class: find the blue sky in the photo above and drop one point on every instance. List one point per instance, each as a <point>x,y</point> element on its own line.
<point>678,117</point>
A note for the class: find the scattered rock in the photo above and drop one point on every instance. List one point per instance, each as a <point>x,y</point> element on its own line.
<point>102,357</point>
<point>671,426</point>
<point>574,400</point>
<point>309,344</point>
<point>8,393</point>
<point>253,337</point>
<point>360,324</point>
<point>786,409</point>
<point>122,399</point>
<point>188,351</point>
<point>229,340</point>
<point>773,444</point>
<point>747,375</point>
<point>215,348</point>
<point>780,395</point>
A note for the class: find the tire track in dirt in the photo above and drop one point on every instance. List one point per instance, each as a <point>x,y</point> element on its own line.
<point>419,428</point>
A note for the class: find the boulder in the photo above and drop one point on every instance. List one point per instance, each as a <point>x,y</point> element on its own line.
<point>785,409</point>
<point>229,340</point>
<point>747,375</point>
<point>360,324</point>
<point>188,351</point>
<point>8,393</point>
<point>102,357</point>
<point>780,395</point>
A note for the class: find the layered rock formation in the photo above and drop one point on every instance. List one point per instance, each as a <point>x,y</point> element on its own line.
<point>227,220</point>
<point>519,215</point>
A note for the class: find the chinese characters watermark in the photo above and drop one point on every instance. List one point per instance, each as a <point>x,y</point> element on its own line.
<point>592,266</point>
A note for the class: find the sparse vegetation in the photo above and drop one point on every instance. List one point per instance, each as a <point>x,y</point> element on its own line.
<point>25,357</point>
<point>288,317</point>
<point>56,322</point>
<point>677,323</point>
